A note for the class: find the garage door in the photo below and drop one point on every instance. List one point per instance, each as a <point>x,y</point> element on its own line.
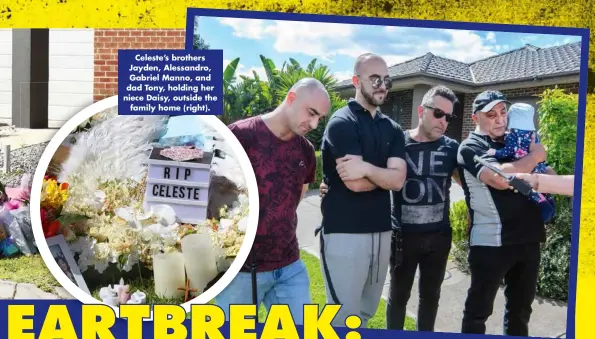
<point>6,76</point>
<point>70,73</point>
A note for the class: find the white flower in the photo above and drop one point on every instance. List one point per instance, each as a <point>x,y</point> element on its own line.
<point>97,201</point>
<point>131,260</point>
<point>225,224</point>
<point>166,214</point>
<point>134,218</point>
<point>243,224</point>
<point>102,251</point>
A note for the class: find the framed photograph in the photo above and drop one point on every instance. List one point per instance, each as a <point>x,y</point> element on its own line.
<point>65,260</point>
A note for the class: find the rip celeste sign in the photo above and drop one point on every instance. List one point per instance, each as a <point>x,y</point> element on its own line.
<point>183,185</point>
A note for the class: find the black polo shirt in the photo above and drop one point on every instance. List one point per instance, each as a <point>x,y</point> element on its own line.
<point>352,130</point>
<point>498,217</point>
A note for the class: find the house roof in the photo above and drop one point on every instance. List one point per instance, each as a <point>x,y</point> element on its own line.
<point>526,62</point>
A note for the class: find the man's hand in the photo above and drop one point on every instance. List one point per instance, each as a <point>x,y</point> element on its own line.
<point>351,168</point>
<point>494,180</point>
<point>527,163</point>
<point>323,189</point>
<point>529,178</point>
<point>537,151</point>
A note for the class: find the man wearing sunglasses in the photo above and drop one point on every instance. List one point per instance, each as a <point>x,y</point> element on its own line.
<point>506,227</point>
<point>422,210</point>
<point>363,158</point>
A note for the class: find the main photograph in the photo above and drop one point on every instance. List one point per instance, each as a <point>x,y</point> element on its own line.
<point>411,219</point>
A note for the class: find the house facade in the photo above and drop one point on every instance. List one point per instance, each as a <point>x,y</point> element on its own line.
<point>520,74</point>
<point>49,75</point>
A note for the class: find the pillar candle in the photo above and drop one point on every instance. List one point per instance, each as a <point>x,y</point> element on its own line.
<point>200,258</point>
<point>169,274</point>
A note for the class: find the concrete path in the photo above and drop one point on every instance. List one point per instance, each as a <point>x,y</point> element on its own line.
<point>548,319</point>
<point>12,290</point>
<point>21,137</point>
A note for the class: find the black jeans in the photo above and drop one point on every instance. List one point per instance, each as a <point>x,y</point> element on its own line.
<point>429,251</point>
<point>518,267</point>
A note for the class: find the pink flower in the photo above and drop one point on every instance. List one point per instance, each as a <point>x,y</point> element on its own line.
<point>520,153</point>
<point>13,204</point>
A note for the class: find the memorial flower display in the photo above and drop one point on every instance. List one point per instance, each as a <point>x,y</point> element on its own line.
<point>53,197</point>
<point>112,217</point>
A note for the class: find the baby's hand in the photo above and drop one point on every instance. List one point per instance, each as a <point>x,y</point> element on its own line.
<point>491,151</point>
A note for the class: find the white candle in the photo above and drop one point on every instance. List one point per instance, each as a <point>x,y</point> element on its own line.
<point>168,270</point>
<point>200,259</point>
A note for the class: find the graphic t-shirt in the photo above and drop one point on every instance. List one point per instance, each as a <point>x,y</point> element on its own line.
<point>423,203</point>
<point>282,168</point>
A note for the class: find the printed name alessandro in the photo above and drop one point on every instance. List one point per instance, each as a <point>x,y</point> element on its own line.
<point>167,67</point>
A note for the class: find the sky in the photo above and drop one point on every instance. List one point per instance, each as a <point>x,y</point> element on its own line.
<point>337,45</point>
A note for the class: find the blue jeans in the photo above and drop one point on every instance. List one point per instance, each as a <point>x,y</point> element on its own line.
<point>289,285</point>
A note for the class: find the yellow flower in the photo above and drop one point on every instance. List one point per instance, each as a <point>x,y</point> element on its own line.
<point>53,195</point>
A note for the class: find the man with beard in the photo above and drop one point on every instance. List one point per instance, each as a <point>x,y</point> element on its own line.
<point>363,158</point>
<point>422,210</point>
<point>284,163</point>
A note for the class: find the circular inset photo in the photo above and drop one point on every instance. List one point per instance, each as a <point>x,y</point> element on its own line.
<point>144,209</point>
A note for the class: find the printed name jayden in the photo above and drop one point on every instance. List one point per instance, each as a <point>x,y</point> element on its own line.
<point>170,82</point>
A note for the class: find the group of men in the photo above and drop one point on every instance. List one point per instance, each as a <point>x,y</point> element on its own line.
<point>385,205</point>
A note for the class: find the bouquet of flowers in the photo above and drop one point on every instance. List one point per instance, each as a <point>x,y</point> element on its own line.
<point>17,235</point>
<point>53,197</point>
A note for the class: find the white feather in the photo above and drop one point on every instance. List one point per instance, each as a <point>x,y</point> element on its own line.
<point>117,147</point>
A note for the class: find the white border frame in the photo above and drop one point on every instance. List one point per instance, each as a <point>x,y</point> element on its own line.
<point>74,268</point>
<point>59,138</point>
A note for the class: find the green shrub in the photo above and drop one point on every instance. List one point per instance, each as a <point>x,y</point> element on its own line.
<point>555,257</point>
<point>557,128</point>
<point>316,184</point>
<point>458,222</point>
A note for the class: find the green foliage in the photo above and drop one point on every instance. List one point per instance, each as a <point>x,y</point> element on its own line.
<point>557,128</point>
<point>555,258</point>
<point>199,43</point>
<point>316,184</point>
<point>249,96</point>
<point>458,222</point>
<point>558,121</point>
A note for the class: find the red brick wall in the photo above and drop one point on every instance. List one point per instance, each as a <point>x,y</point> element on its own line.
<point>405,101</point>
<point>109,41</point>
<point>469,125</point>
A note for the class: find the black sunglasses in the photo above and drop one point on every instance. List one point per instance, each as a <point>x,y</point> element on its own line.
<point>377,81</point>
<point>438,114</point>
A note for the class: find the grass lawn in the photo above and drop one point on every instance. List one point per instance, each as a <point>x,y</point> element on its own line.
<point>318,295</point>
<point>32,269</point>
<point>28,269</point>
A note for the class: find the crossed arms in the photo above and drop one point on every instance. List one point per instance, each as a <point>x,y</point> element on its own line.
<point>358,175</point>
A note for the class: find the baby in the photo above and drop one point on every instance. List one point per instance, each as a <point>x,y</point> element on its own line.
<point>517,142</point>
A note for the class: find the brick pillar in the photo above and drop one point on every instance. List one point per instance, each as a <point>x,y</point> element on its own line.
<point>109,41</point>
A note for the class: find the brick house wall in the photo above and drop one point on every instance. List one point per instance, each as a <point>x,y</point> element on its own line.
<point>469,125</point>
<point>398,106</point>
<point>108,41</point>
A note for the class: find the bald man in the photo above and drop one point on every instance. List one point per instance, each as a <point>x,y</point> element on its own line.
<point>284,163</point>
<point>363,157</point>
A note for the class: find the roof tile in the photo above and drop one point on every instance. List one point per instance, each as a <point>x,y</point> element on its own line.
<point>525,62</point>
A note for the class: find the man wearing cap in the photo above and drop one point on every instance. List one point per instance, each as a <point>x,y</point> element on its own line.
<point>506,227</point>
